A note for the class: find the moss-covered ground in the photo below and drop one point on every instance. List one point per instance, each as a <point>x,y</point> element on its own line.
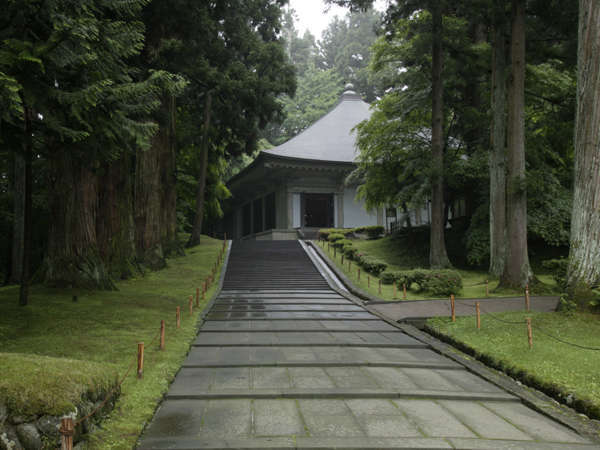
<point>555,367</point>
<point>399,257</point>
<point>92,340</point>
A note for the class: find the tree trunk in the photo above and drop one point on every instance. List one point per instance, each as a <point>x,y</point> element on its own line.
<point>517,271</point>
<point>438,258</point>
<point>148,204</point>
<point>168,223</point>
<point>584,266</point>
<point>16,260</point>
<point>197,228</point>
<point>498,152</point>
<point>114,227</point>
<point>28,154</point>
<point>73,259</point>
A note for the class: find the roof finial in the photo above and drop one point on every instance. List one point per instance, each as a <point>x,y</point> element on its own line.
<point>349,93</point>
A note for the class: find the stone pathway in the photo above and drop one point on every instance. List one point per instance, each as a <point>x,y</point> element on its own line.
<point>283,361</point>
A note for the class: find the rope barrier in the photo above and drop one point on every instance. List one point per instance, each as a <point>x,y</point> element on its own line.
<point>67,427</point>
<point>535,327</point>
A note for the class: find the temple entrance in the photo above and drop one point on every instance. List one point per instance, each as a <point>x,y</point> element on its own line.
<point>317,210</point>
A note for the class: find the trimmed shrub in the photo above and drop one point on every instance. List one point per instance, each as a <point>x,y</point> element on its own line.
<point>389,276</point>
<point>372,231</point>
<point>410,277</point>
<point>349,251</point>
<point>442,282</point>
<point>558,269</point>
<point>372,265</point>
<point>335,237</point>
<point>325,232</point>
<point>340,243</point>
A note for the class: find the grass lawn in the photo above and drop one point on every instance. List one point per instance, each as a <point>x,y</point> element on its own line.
<point>554,367</point>
<point>97,336</point>
<point>398,259</point>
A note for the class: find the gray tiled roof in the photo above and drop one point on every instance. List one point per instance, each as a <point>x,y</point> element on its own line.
<point>331,137</point>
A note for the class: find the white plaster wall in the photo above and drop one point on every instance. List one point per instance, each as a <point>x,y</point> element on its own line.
<point>296,210</point>
<point>355,214</point>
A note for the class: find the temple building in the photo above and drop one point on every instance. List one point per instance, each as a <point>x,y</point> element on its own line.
<point>292,190</point>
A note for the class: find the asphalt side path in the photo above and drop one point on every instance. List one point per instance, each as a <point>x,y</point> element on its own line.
<point>284,361</point>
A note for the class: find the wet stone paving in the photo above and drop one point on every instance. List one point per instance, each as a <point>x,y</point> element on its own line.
<point>283,361</point>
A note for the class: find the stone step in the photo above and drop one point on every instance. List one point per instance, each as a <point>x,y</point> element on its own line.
<point>290,315</point>
<point>312,338</point>
<point>298,325</point>
<point>343,393</point>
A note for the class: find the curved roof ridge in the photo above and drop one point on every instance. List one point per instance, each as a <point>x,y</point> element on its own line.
<point>331,137</point>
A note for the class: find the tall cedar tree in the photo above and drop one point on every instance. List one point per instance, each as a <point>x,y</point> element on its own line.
<point>438,256</point>
<point>517,271</point>
<point>497,158</point>
<point>78,98</point>
<point>584,267</point>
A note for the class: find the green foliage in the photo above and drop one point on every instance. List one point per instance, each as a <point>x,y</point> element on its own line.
<point>350,251</point>
<point>372,265</point>
<point>340,243</point>
<point>335,237</point>
<point>325,232</point>
<point>373,231</point>
<point>389,276</point>
<point>345,47</point>
<point>441,282</point>
<point>558,268</point>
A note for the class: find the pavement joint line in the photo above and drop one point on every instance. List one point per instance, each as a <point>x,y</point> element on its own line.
<point>236,319</point>
<point>347,394</point>
<point>305,330</point>
<point>309,345</point>
<point>404,365</point>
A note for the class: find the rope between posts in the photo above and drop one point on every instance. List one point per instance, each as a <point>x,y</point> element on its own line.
<point>109,395</point>
<point>113,390</point>
<point>120,383</point>
<point>536,327</point>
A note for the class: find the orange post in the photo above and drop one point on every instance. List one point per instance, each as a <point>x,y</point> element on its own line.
<point>404,291</point>
<point>478,315</point>
<point>191,304</point>
<point>140,360</point>
<point>178,317</point>
<point>452,307</point>
<point>66,430</point>
<point>529,333</point>
<point>162,334</point>
<point>527,302</point>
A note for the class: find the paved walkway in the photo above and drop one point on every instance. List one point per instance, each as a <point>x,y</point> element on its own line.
<point>283,361</point>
